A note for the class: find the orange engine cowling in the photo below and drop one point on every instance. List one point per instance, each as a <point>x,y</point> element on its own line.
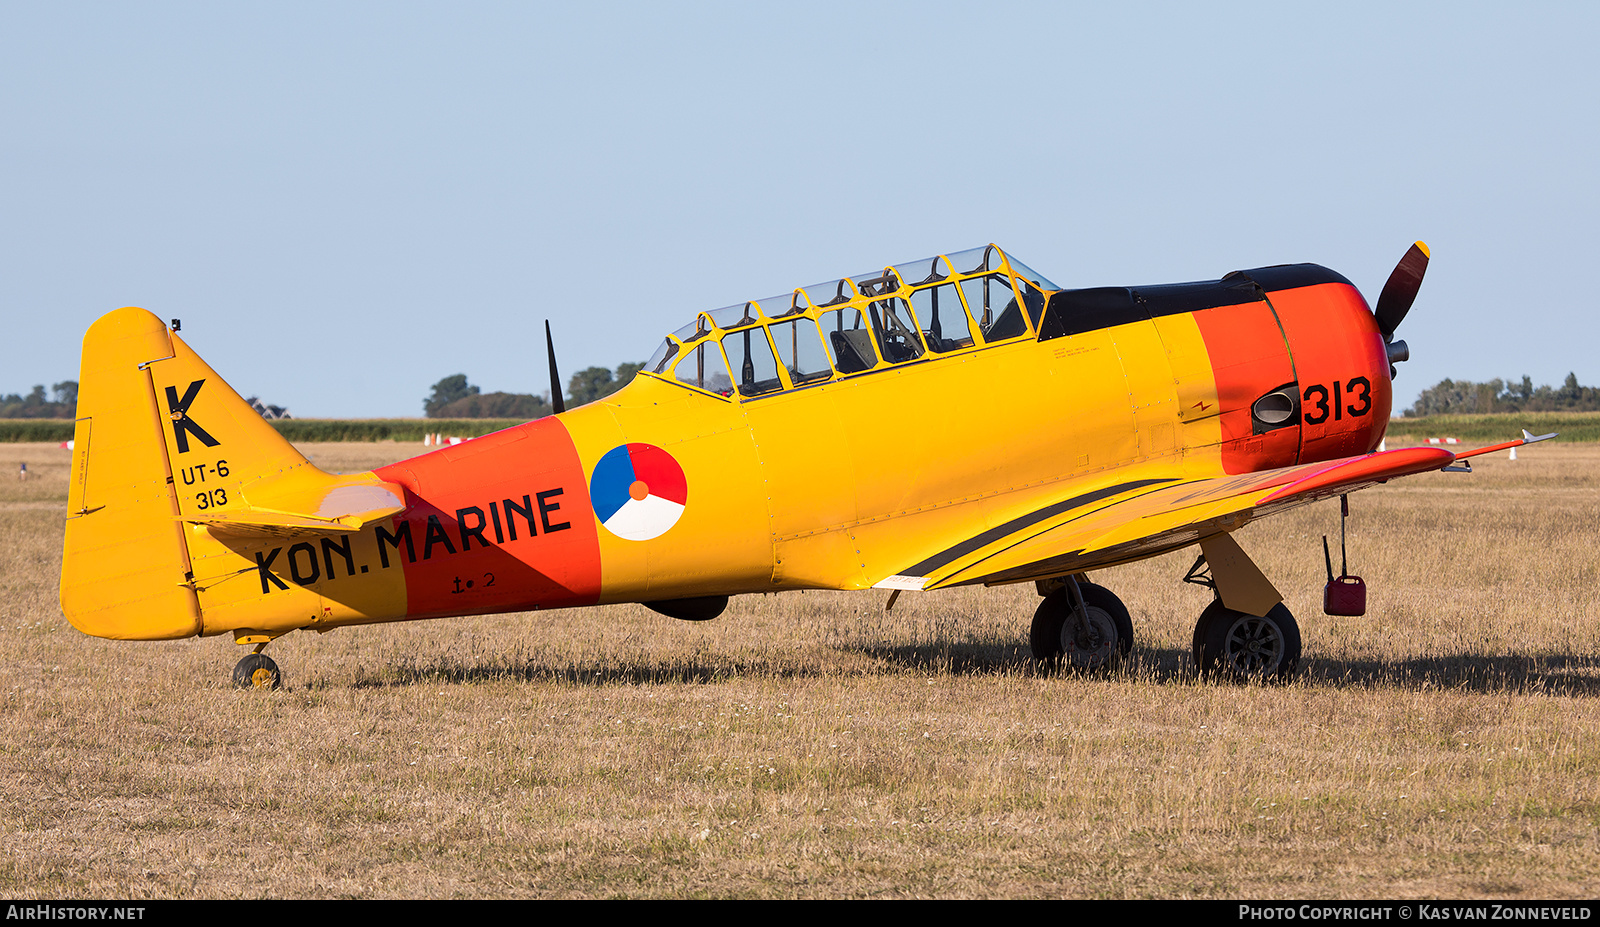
<point>1342,369</point>
<point>1301,369</point>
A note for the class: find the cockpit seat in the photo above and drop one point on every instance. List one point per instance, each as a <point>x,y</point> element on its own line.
<point>853,349</point>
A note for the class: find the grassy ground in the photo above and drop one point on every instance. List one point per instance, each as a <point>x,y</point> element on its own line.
<point>811,745</point>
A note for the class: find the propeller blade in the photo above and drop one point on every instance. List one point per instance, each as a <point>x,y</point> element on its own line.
<point>556,401</point>
<point>1401,290</point>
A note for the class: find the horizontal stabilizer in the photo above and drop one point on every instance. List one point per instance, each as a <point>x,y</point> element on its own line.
<point>345,507</point>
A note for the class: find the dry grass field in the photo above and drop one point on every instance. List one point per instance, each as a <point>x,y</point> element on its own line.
<point>810,745</point>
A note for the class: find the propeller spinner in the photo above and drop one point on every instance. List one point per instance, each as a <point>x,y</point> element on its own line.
<point>1395,301</point>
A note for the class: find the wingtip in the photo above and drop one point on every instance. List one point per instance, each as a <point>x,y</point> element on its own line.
<point>1423,247</point>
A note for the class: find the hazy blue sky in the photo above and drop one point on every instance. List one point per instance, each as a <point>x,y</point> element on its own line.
<point>345,202</point>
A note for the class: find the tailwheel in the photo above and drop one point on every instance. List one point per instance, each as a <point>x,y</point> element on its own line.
<point>1241,646</point>
<point>1060,638</point>
<point>257,671</point>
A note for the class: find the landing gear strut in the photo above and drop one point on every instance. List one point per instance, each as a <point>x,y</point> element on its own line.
<point>1081,625</point>
<point>1237,643</point>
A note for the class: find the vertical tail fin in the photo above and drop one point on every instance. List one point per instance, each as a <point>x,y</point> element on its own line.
<point>160,438</point>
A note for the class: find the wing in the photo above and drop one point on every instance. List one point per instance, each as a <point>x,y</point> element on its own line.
<point>1134,519</point>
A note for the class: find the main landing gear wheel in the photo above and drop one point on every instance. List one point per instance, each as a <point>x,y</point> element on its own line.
<point>1235,645</point>
<point>257,671</point>
<point>1058,639</point>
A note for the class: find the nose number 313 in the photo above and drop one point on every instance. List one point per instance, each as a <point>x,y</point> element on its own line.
<point>1353,398</point>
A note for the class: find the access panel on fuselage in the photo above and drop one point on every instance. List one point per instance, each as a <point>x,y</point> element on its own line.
<point>1152,393</point>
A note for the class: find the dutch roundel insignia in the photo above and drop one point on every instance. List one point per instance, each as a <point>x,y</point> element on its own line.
<point>638,491</point>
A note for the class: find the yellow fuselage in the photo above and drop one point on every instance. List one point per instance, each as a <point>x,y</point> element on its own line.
<point>675,489</point>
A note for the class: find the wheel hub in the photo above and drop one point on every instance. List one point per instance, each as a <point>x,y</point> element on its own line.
<point>1091,649</point>
<point>1254,645</point>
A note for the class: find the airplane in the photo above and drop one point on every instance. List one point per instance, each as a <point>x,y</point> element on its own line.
<point>955,420</point>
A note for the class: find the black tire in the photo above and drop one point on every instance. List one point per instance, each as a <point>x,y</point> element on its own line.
<point>257,671</point>
<point>1052,647</point>
<point>1230,644</point>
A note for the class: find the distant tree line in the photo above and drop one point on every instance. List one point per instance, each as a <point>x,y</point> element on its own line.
<point>1456,397</point>
<point>454,397</point>
<point>34,405</point>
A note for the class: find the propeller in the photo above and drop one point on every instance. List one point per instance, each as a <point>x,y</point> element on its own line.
<point>556,401</point>
<point>1399,292</point>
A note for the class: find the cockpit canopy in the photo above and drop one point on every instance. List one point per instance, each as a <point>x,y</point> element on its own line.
<point>853,325</point>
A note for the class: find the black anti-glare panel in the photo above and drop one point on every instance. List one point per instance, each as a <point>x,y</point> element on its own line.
<point>1073,312</point>
<point>1289,276</point>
